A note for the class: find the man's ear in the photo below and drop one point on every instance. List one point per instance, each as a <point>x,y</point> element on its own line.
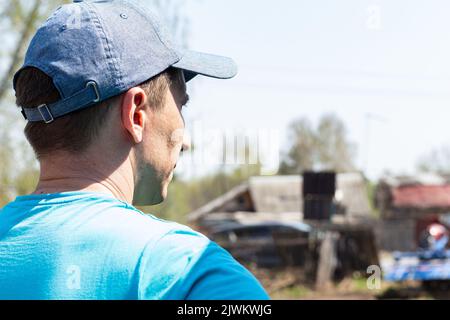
<point>134,117</point>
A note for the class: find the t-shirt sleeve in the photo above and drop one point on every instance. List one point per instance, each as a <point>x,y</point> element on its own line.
<point>184,264</point>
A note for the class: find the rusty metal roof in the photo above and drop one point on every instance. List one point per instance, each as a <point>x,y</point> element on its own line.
<point>421,193</point>
<point>421,196</point>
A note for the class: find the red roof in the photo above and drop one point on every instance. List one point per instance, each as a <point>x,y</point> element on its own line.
<point>420,196</point>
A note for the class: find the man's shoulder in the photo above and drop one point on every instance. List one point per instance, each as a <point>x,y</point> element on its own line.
<point>131,225</point>
<point>184,264</point>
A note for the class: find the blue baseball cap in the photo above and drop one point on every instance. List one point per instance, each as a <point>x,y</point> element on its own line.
<point>94,50</point>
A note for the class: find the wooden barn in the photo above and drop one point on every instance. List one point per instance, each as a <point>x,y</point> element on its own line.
<point>280,198</point>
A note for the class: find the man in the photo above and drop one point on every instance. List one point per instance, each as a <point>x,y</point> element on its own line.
<point>102,88</point>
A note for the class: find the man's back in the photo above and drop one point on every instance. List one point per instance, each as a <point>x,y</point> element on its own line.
<point>79,245</point>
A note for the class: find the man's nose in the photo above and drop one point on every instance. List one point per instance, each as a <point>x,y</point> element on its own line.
<point>186,146</point>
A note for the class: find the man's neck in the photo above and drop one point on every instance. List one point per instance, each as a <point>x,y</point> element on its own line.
<point>81,184</point>
<point>65,173</point>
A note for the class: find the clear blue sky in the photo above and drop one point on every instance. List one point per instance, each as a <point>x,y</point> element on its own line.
<point>297,58</point>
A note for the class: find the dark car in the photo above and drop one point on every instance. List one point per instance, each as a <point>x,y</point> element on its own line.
<point>266,244</point>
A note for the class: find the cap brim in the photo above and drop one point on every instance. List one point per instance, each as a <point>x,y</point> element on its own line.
<point>194,63</point>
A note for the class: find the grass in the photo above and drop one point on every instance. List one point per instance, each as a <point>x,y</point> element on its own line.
<point>292,293</point>
<point>290,284</point>
<point>349,288</point>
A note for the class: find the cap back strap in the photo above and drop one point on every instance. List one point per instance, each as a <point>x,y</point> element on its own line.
<point>48,113</point>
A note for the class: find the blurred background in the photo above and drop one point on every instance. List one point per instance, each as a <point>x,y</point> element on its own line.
<point>328,154</point>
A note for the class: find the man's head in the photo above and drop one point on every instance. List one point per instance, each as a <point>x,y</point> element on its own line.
<point>104,84</point>
<point>148,117</point>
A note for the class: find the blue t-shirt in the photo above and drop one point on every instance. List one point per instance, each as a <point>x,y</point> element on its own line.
<point>83,245</point>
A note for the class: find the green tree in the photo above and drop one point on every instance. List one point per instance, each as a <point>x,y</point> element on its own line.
<point>436,161</point>
<point>325,147</point>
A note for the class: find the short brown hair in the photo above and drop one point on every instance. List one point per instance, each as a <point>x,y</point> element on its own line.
<point>75,131</point>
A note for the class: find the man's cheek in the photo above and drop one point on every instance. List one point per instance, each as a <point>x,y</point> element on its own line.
<point>175,144</point>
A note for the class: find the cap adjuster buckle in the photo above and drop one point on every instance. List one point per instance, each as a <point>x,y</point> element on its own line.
<point>93,84</point>
<point>45,113</point>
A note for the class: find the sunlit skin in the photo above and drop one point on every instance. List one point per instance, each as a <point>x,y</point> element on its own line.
<point>135,136</point>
